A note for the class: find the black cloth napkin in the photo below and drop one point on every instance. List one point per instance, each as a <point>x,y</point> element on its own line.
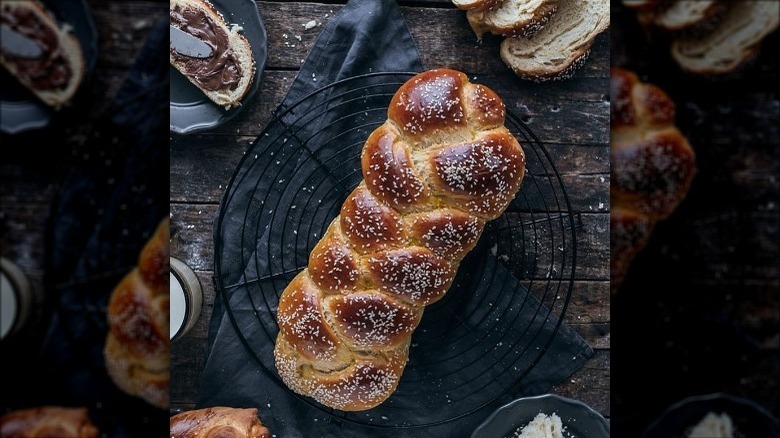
<point>110,198</point>
<point>366,36</point>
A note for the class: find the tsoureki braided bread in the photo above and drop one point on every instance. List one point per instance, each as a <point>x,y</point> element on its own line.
<point>137,350</point>
<point>218,422</point>
<point>440,167</point>
<point>652,166</point>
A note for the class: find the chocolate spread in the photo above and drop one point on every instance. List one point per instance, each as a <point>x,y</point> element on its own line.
<point>46,72</point>
<point>221,69</point>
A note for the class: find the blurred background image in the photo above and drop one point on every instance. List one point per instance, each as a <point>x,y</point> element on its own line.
<point>698,312</point>
<point>83,190</point>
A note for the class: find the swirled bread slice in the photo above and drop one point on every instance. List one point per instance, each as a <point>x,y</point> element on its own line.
<point>688,14</point>
<point>732,41</point>
<point>226,76</point>
<point>513,17</point>
<point>476,5</point>
<point>556,51</point>
<point>642,4</point>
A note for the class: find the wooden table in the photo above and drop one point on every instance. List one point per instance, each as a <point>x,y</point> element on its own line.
<point>570,117</point>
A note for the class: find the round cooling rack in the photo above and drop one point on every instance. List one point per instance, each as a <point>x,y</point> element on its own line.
<point>472,347</point>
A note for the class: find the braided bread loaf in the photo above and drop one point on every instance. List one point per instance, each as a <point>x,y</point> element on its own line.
<point>138,343</point>
<point>440,167</point>
<point>652,166</point>
<point>48,422</point>
<point>218,422</point>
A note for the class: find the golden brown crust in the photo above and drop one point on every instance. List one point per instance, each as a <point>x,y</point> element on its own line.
<point>218,422</point>
<point>369,224</point>
<point>137,349</point>
<point>48,422</point>
<point>386,158</point>
<point>438,168</point>
<point>414,274</point>
<point>446,232</point>
<point>652,166</point>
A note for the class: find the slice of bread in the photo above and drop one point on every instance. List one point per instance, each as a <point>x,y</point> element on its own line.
<point>513,18</point>
<point>734,39</point>
<point>55,77</point>
<point>687,14</point>
<point>476,5</point>
<point>642,4</point>
<point>560,47</point>
<point>226,76</point>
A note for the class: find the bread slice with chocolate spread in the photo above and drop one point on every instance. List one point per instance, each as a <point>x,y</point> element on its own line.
<point>56,74</point>
<point>227,74</point>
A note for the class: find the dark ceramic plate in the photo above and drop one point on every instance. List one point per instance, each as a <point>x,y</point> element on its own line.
<point>749,419</point>
<point>190,109</point>
<point>579,420</point>
<point>20,110</point>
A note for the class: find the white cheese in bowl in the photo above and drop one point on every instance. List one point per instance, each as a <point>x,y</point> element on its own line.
<point>713,426</point>
<point>542,426</point>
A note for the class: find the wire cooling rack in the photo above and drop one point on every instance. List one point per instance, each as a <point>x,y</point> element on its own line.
<point>476,344</point>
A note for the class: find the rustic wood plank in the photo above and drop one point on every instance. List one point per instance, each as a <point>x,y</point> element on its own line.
<point>589,305</point>
<point>590,384</point>
<point>438,33</point>
<point>197,166</point>
<point>122,29</point>
<point>567,112</point>
<point>587,312</point>
<point>188,356</point>
<point>191,235</point>
<point>191,238</point>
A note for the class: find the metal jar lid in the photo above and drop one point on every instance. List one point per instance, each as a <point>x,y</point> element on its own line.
<point>16,298</point>
<point>186,299</point>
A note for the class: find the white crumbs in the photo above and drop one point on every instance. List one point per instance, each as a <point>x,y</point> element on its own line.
<point>542,426</point>
<point>713,426</point>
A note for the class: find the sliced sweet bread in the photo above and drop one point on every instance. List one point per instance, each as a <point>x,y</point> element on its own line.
<point>734,39</point>
<point>513,18</point>
<point>642,4</point>
<point>558,49</point>
<point>226,76</point>
<point>53,77</point>
<point>687,14</point>
<point>476,5</point>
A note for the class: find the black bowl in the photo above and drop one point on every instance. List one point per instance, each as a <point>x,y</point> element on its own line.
<point>579,419</point>
<point>750,419</point>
